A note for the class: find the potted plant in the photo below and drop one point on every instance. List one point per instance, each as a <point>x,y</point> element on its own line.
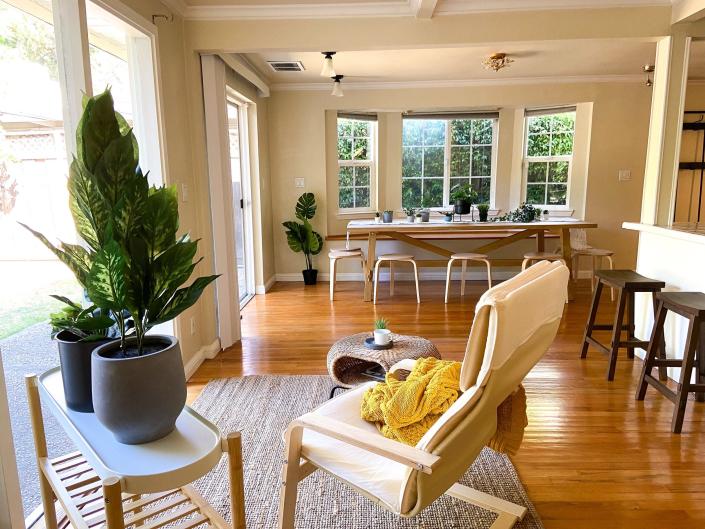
<point>302,238</point>
<point>409,212</point>
<point>133,266</point>
<point>523,214</point>
<point>462,196</point>
<point>448,215</point>
<point>378,219</point>
<point>77,331</point>
<point>387,216</point>
<point>381,333</point>
<point>425,215</point>
<point>544,215</point>
<point>483,210</point>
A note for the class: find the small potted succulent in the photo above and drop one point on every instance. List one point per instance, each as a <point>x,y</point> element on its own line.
<point>387,216</point>
<point>463,197</point>
<point>544,215</point>
<point>425,215</point>
<point>410,214</point>
<point>378,218</point>
<point>483,210</point>
<point>448,215</point>
<point>381,333</point>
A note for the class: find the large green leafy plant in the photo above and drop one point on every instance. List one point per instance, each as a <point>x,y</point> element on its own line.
<point>133,263</point>
<point>300,235</point>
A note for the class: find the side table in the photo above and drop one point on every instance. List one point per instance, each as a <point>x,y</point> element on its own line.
<point>114,485</point>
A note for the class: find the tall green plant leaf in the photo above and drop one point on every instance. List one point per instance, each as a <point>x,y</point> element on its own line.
<point>98,128</point>
<point>106,280</point>
<point>306,206</point>
<point>91,214</point>
<point>183,299</point>
<point>116,168</point>
<point>295,235</point>
<point>313,245</point>
<point>161,220</point>
<point>75,257</point>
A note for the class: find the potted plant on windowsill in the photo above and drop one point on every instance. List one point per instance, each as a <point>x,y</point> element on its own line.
<point>410,214</point>
<point>483,210</point>
<point>387,216</point>
<point>463,197</point>
<point>133,266</point>
<point>302,238</point>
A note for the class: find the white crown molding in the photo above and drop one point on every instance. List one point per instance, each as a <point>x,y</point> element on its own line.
<point>179,7</point>
<point>394,85</point>
<point>460,7</point>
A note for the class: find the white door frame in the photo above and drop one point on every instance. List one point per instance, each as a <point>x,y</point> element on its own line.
<point>11,516</point>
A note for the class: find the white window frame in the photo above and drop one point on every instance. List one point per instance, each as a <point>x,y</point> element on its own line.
<point>562,158</point>
<point>371,163</point>
<point>446,162</point>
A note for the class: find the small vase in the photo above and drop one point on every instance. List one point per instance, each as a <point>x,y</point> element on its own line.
<point>425,216</point>
<point>387,217</point>
<point>382,336</point>
<point>410,218</point>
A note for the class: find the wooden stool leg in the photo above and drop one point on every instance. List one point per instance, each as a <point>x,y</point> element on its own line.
<point>591,319</point>
<point>661,349</point>
<point>391,278</point>
<point>448,274</point>
<point>652,351</point>
<point>686,372</point>
<point>114,517</point>
<point>237,481</point>
<point>630,323</point>
<point>609,259</point>
<point>592,273</point>
<point>617,333</point>
<point>489,274</point>
<point>416,280</point>
<point>700,362</point>
<point>376,281</point>
<point>331,280</point>
<point>462,277</point>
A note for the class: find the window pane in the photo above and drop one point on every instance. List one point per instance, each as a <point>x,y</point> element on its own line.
<point>481,161</point>
<point>344,149</point>
<point>538,124</point>
<point>460,161</point>
<point>345,176</point>
<point>432,193</point>
<point>411,162</point>
<point>411,131</point>
<point>482,188</point>
<point>460,131</point>
<point>563,122</point>
<point>458,181</point>
<point>345,197</point>
<point>433,161</point>
<point>362,197</point>
<point>345,127</point>
<point>411,193</point>
<point>537,145</point>
<point>557,194</point>
<point>535,193</point>
<point>482,131</point>
<point>361,128</point>
<point>558,172</point>
<point>537,172</point>
<point>362,176</point>
<point>361,149</point>
<point>434,131</point>
<point>562,144</point>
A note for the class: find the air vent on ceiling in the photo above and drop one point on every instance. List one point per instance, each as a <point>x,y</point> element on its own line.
<point>286,66</point>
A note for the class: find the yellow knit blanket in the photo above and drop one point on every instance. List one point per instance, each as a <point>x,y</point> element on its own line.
<point>405,410</point>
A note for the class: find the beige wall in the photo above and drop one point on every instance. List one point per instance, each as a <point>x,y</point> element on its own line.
<point>620,114</point>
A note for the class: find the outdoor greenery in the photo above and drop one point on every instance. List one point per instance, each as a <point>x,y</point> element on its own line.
<point>133,264</point>
<point>354,163</point>
<point>300,235</point>
<point>87,324</point>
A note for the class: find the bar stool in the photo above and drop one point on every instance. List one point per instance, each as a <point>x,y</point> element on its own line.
<point>530,257</point>
<point>628,283</point>
<point>465,257</point>
<point>392,258</point>
<point>343,253</point>
<point>690,305</point>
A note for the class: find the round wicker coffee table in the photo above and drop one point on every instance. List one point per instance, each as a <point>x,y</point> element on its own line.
<point>349,359</point>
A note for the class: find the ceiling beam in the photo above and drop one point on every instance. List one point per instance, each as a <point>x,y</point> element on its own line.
<point>423,8</point>
<point>242,68</point>
<point>687,11</point>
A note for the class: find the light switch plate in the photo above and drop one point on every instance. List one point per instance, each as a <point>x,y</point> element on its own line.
<point>298,182</point>
<point>625,175</point>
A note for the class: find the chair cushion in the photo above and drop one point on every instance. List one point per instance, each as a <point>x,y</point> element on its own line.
<point>468,256</point>
<point>374,474</point>
<point>395,257</point>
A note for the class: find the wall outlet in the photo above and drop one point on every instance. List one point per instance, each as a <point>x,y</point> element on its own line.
<point>193,326</point>
<point>625,175</point>
<point>298,182</point>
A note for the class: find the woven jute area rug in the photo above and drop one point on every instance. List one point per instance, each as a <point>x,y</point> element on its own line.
<point>260,407</point>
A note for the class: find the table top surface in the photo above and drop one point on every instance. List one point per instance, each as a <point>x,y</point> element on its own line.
<point>190,451</point>
<point>367,225</point>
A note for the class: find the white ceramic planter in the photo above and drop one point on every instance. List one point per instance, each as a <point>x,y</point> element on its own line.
<point>382,336</point>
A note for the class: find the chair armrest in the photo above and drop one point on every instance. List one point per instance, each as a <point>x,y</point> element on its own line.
<point>406,364</point>
<point>377,444</point>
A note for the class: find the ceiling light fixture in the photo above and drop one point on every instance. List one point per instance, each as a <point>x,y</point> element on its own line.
<point>497,61</point>
<point>337,87</point>
<point>328,70</point>
<point>648,70</point>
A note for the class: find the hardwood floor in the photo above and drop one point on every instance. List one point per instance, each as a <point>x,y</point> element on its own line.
<point>592,456</point>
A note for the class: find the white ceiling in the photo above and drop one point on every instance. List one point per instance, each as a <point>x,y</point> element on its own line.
<point>573,58</point>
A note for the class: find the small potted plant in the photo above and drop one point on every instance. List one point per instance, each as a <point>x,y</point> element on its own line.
<point>381,333</point>
<point>77,331</point>
<point>523,214</point>
<point>387,216</point>
<point>378,218</point>
<point>483,210</point>
<point>302,238</point>
<point>447,215</point>
<point>544,215</point>
<point>410,214</point>
<point>425,215</point>
<point>463,197</point>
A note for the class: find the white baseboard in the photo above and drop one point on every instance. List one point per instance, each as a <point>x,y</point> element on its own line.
<point>263,289</point>
<point>205,352</point>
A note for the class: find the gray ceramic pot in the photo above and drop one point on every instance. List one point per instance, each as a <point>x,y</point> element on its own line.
<point>139,398</point>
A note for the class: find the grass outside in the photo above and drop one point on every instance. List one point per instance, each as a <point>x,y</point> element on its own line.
<point>25,287</point>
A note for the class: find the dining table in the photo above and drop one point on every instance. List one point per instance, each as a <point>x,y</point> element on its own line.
<point>500,234</point>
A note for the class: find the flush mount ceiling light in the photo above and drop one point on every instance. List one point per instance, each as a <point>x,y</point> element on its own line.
<point>337,87</point>
<point>648,70</point>
<point>497,61</point>
<point>328,70</point>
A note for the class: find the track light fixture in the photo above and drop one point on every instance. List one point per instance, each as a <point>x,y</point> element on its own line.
<point>337,87</point>
<point>328,70</point>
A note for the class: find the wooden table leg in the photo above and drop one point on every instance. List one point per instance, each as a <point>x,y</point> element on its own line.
<point>371,257</point>
<point>114,517</point>
<point>540,241</point>
<point>237,481</point>
<point>566,254</point>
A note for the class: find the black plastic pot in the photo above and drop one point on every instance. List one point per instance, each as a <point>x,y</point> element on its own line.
<point>462,207</point>
<point>310,276</point>
<point>75,359</point>
<point>483,215</point>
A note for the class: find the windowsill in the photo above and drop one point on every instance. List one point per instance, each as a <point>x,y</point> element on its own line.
<point>356,214</point>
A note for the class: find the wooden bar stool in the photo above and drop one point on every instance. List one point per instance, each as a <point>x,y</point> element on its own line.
<point>690,305</point>
<point>530,257</point>
<point>628,283</point>
<point>392,258</point>
<point>334,255</point>
<point>465,257</point>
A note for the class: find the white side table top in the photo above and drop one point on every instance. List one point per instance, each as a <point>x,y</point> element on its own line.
<point>186,454</point>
